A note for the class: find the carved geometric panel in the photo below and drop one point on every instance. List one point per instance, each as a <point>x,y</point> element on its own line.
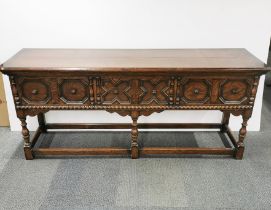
<point>195,90</point>
<point>155,91</point>
<point>233,91</point>
<point>35,91</point>
<point>115,91</point>
<point>73,91</point>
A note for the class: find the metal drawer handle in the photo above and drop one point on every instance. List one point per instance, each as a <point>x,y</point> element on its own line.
<point>35,92</point>
<point>73,91</point>
<point>196,91</point>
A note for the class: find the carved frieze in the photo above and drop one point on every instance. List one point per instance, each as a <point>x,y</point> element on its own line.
<point>73,91</point>
<point>234,91</point>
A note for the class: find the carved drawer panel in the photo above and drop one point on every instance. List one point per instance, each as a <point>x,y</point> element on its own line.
<point>134,90</point>
<point>234,91</point>
<point>73,91</point>
<point>155,91</point>
<point>34,90</point>
<point>194,91</point>
<point>114,90</point>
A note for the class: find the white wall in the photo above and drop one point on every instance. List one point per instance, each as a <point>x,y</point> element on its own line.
<point>135,24</point>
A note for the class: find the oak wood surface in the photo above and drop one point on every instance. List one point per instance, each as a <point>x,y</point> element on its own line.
<point>81,151</point>
<point>133,83</point>
<point>186,150</point>
<point>129,126</point>
<point>132,60</point>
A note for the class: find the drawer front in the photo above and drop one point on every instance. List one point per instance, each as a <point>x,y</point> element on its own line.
<point>234,91</point>
<point>35,90</point>
<point>212,90</point>
<point>114,90</point>
<point>56,91</point>
<point>155,91</point>
<point>134,90</point>
<point>73,90</point>
<point>194,91</point>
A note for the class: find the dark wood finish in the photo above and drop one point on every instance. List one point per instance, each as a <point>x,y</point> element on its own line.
<point>225,121</point>
<point>155,60</point>
<point>231,137</point>
<point>186,150</point>
<point>81,151</point>
<point>242,134</point>
<point>129,126</point>
<point>133,83</point>
<point>42,122</point>
<point>134,135</point>
<point>26,137</point>
<point>36,137</point>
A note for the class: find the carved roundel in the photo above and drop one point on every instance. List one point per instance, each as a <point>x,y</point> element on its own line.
<point>196,91</point>
<point>233,91</point>
<point>35,91</point>
<point>73,91</point>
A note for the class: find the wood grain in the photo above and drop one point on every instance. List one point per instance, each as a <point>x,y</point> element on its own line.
<point>134,60</point>
<point>136,83</point>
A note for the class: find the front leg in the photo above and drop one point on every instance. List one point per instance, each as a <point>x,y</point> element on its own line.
<point>242,134</point>
<point>134,135</point>
<point>26,137</point>
<point>225,121</point>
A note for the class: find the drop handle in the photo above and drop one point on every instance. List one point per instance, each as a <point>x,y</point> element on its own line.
<point>35,92</point>
<point>196,91</point>
<point>73,91</point>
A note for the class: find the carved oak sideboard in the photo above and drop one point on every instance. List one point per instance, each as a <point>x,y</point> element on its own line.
<point>134,83</point>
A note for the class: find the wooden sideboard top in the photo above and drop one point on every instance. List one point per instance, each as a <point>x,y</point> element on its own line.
<point>133,60</point>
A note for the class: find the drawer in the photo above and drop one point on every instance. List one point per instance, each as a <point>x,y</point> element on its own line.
<point>234,91</point>
<point>73,90</point>
<point>114,91</point>
<point>155,91</point>
<point>129,90</point>
<point>143,90</point>
<point>34,90</point>
<point>193,91</point>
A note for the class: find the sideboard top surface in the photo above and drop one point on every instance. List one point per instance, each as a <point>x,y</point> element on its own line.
<point>133,60</point>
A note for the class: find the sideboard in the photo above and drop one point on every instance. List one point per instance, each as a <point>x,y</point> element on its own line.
<point>133,82</point>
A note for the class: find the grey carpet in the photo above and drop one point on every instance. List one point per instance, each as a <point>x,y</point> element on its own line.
<point>153,183</point>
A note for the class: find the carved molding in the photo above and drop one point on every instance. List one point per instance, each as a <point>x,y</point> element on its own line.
<point>14,90</point>
<point>73,91</point>
<point>128,113</point>
<point>138,107</point>
<point>34,90</point>
<point>240,86</point>
<point>115,91</point>
<point>195,90</point>
<point>254,90</point>
<point>156,91</point>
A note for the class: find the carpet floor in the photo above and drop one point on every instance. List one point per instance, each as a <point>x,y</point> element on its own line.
<point>153,183</point>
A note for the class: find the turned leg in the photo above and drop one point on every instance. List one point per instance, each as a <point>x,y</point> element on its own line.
<point>134,135</point>
<point>42,122</point>
<point>26,137</point>
<point>242,134</point>
<point>225,121</point>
